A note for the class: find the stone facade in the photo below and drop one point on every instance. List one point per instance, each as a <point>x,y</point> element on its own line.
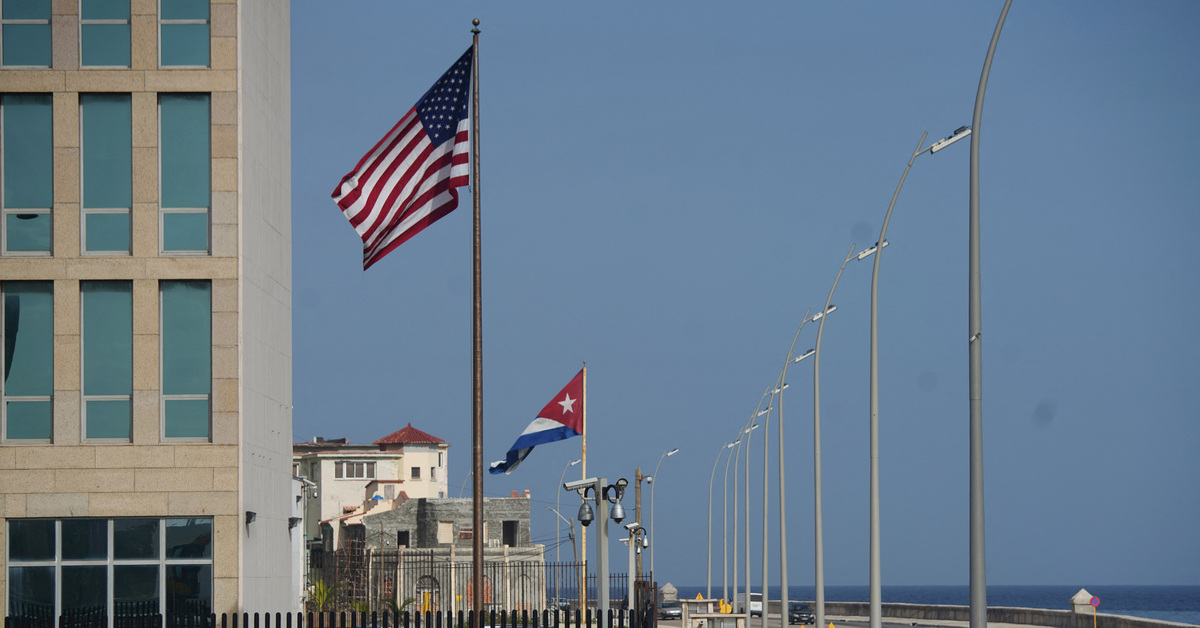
<point>243,464</point>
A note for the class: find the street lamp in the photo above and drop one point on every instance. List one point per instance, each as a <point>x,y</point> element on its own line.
<point>876,598</point>
<point>666,454</point>
<point>783,555</point>
<point>574,550</point>
<point>556,507</point>
<point>978,577</point>
<point>743,434</point>
<point>711,476</point>
<point>725,526</point>
<point>746,589</point>
<point>818,541</point>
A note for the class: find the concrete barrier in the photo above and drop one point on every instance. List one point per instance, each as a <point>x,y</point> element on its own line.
<point>998,614</point>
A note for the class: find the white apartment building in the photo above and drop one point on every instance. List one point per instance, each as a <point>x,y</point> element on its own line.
<point>351,478</point>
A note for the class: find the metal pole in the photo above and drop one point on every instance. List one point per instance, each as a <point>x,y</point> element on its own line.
<point>637,512</point>
<point>766,486</point>
<point>602,548</point>
<point>978,584</point>
<point>818,542</point>
<point>783,558</point>
<point>725,527</point>
<point>876,604</point>
<point>751,427</point>
<point>477,350</point>
<point>712,476</point>
<point>557,495</point>
<point>653,483</point>
<point>737,456</point>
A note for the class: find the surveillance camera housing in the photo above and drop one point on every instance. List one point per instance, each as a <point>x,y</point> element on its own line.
<point>579,485</point>
<point>631,526</point>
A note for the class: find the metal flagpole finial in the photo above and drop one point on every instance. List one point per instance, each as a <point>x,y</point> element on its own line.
<point>475,23</point>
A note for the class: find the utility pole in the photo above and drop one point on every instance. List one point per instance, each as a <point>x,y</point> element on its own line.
<point>637,512</point>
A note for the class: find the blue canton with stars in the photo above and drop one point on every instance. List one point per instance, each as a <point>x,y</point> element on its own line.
<point>441,108</point>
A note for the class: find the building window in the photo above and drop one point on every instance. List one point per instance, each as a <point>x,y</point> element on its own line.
<point>445,532</point>
<point>25,33</point>
<point>432,474</point>
<point>510,533</point>
<point>106,146</point>
<point>111,568</point>
<point>185,146</point>
<point>27,388</point>
<point>402,538</point>
<point>27,190</point>
<point>107,339</point>
<point>354,470</point>
<point>183,33</point>
<point>416,473</point>
<point>186,359</point>
<point>104,33</point>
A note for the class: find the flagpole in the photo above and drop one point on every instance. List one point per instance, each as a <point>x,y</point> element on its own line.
<point>583,474</point>
<point>477,341</point>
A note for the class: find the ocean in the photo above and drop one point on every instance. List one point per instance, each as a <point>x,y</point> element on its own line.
<point>1167,603</point>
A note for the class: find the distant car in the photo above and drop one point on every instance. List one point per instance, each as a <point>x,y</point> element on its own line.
<point>670,610</point>
<point>800,613</point>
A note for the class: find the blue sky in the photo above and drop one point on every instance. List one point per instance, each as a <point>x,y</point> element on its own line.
<point>667,188</point>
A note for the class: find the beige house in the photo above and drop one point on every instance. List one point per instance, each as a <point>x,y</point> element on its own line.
<point>145,273</point>
<point>353,479</point>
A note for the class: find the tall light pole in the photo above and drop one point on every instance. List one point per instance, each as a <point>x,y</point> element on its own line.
<point>743,434</point>
<point>779,386</point>
<point>876,599</point>
<point>746,590</point>
<point>725,527</point>
<point>558,494</point>
<point>978,579</point>
<point>708,591</point>
<point>574,550</point>
<point>818,540</point>
<point>653,482</point>
<point>783,555</point>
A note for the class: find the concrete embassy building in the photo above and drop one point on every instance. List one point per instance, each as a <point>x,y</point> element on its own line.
<point>145,272</point>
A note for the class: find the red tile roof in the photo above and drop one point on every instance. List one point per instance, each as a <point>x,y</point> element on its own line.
<point>409,434</point>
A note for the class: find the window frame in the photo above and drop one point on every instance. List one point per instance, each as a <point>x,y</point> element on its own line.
<point>84,209</point>
<point>84,22</point>
<point>163,397</point>
<point>5,210</point>
<point>5,398</point>
<point>110,562</point>
<point>84,397</point>
<point>26,22</point>
<point>163,209</point>
<point>354,470</point>
<point>183,22</point>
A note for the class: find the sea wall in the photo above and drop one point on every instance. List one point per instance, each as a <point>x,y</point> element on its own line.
<point>995,614</point>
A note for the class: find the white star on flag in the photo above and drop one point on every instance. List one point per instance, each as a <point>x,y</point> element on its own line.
<point>567,403</point>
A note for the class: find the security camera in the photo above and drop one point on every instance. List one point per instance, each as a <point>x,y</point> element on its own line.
<point>631,526</point>
<point>579,485</point>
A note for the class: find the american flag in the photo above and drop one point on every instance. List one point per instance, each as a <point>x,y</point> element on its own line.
<point>409,179</point>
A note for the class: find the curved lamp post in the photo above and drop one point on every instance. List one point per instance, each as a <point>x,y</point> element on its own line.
<point>651,479</point>
<point>708,590</point>
<point>746,590</point>
<point>783,555</point>
<point>978,578</point>
<point>876,600</point>
<point>819,552</point>
<point>557,527</point>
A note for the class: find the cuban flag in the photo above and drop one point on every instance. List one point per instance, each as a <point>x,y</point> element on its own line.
<point>561,419</point>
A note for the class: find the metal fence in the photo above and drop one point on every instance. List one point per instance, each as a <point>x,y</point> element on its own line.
<point>491,619</point>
